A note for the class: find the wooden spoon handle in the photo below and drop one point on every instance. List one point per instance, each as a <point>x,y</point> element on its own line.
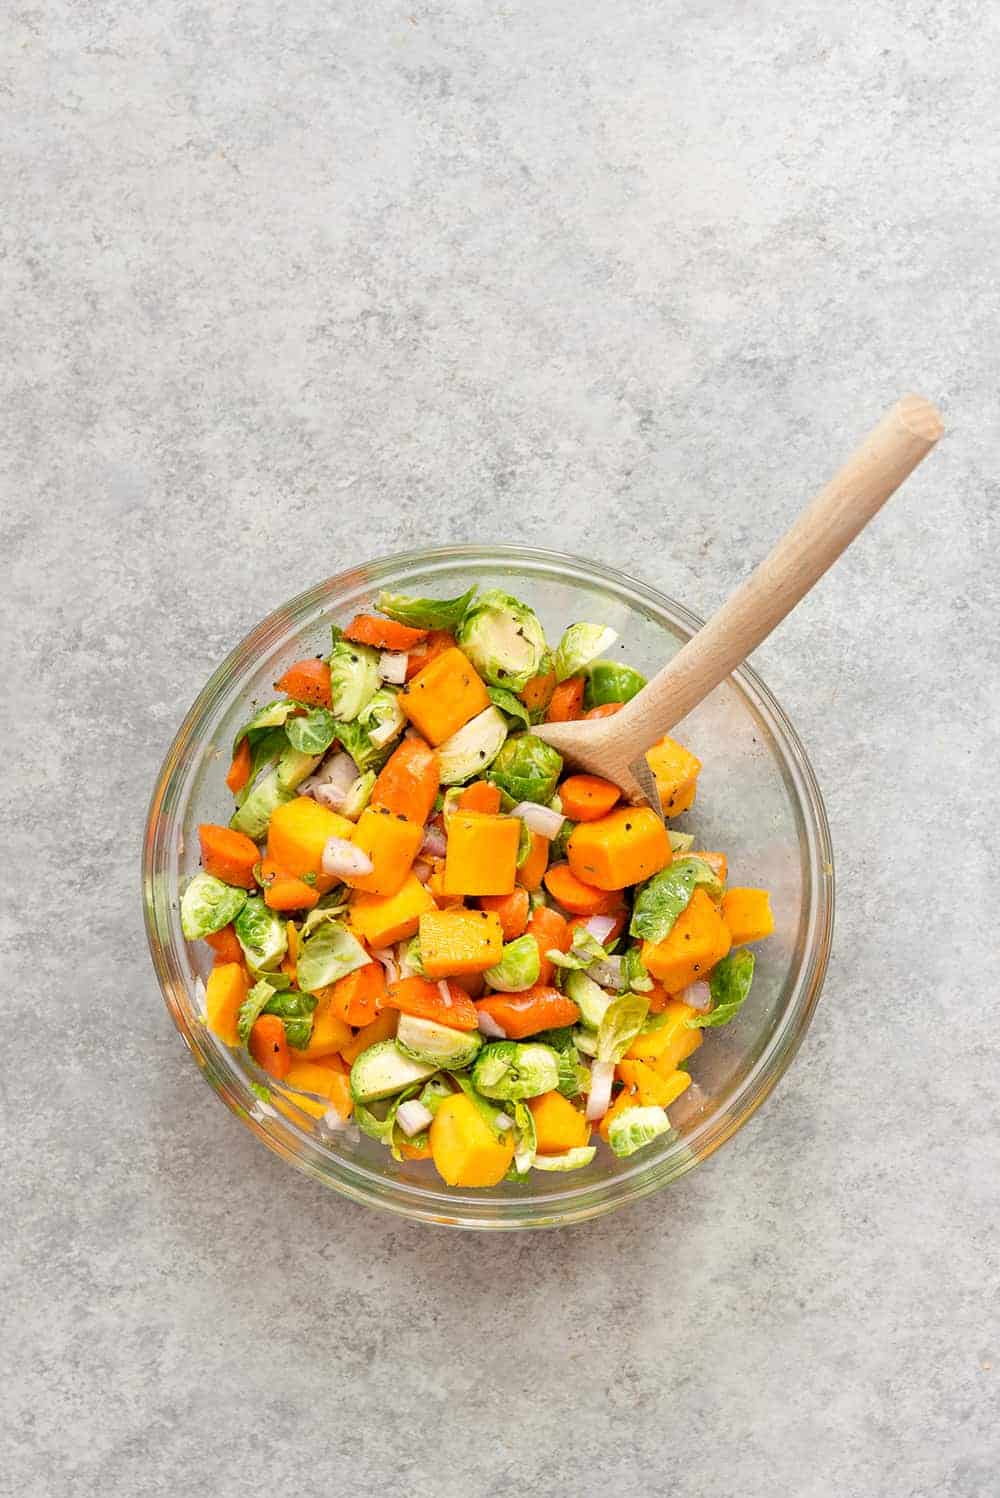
<point>888,455</point>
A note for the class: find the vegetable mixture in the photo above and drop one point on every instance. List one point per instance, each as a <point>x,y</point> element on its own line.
<point>423,927</point>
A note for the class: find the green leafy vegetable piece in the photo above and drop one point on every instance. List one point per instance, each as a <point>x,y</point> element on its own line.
<point>503,639</point>
<point>425,613</point>
<point>328,954</point>
<point>434,1093</point>
<point>634,1128</point>
<point>573,1075</point>
<point>382,1125</point>
<point>274,715</point>
<point>253,812</point>
<point>359,794</point>
<point>312,732</point>
<point>252,1007</point>
<point>663,898</point>
<point>355,739</point>
<point>560,843</point>
<point>583,953</point>
<point>588,996</point>
<point>383,719</point>
<point>581,644</point>
<point>262,934</point>
<point>207,905</point>
<point>518,967</point>
<point>354,679</point>
<point>525,1138</point>
<point>526,768</point>
<point>473,748</point>
<point>329,907</point>
<point>524,843</point>
<point>606,681</point>
<point>512,707</point>
<point>295,1010</point>
<point>574,1159</point>
<point>508,1071</point>
<point>634,973</point>
<point>680,842</point>
<point>621,1023</point>
<point>730,983</point>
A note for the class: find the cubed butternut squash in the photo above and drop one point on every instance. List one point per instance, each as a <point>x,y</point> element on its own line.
<point>381,920</point>
<point>466,1152</point>
<point>675,771</point>
<point>481,858</point>
<point>558,1125</point>
<point>382,1027</point>
<point>391,843</point>
<point>297,834</point>
<point>226,988</point>
<point>329,1033</point>
<point>329,1081</point>
<point>747,913</point>
<point>650,1087</point>
<point>622,848</point>
<point>670,1043</point>
<point>442,697</point>
<point>453,942</point>
<point>698,940</point>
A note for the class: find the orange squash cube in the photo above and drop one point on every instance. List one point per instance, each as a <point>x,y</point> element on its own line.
<point>453,942</point>
<point>225,989</point>
<point>699,939</point>
<point>391,843</point>
<point>747,913</point>
<point>379,920</point>
<point>675,771</point>
<point>481,858</point>
<point>444,696</point>
<point>627,845</point>
<point>297,834</point>
<point>558,1125</point>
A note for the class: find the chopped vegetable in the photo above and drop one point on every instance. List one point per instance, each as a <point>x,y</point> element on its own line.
<point>558,1125</point>
<point>503,638</point>
<point>480,796</point>
<point>465,1149</point>
<point>391,843</point>
<point>408,783</point>
<point>453,942</point>
<point>512,911</point>
<point>666,1039</point>
<point>623,848</point>
<point>587,798</point>
<point>473,748</point>
<point>698,940</point>
<point>676,772</point>
<point>581,644</point>
<point>518,967</point>
<point>426,613</point>
<point>635,1127</point>
<point>747,914</point>
<point>312,732</point>
<point>664,897</point>
<point>225,990</point>
<point>482,854</point>
<point>354,679</point>
<point>526,768</point>
<point>566,702</point>
<point>509,1072</point>
<point>307,681</point>
<point>443,1002</point>
<point>297,834</point>
<point>444,696</point>
<point>207,905</point>
<point>268,1046</point>
<point>383,634</point>
<point>608,681</point>
<point>262,935</point>
<point>729,985</point>
<point>522,1014</point>
<point>225,945</point>
<point>577,897</point>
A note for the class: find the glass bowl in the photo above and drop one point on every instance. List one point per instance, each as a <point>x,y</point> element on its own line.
<point>757,800</point>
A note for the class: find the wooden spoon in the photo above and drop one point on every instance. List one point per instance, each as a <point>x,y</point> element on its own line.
<point>615,747</point>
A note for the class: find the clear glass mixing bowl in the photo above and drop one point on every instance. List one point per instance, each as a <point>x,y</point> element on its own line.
<point>757,799</point>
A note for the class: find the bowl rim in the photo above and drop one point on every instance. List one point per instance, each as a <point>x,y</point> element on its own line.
<point>587,1201</point>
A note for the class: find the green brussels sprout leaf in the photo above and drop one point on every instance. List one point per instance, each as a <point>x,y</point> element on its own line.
<point>295,1010</point>
<point>262,934</point>
<point>574,1159</point>
<point>354,678</point>
<point>584,952</point>
<point>634,1128</point>
<point>663,898</point>
<point>680,842</point>
<point>573,1075</point>
<point>525,1138</point>
<point>358,796</point>
<point>634,973</point>
<point>518,967</point>
<point>527,768</point>
<point>425,613</point>
<point>581,644</point>
<point>328,954</point>
<point>512,707</point>
<point>383,719</point>
<point>207,905</point>
<point>730,983</point>
<point>356,741</point>
<point>313,732</point>
<point>621,1023</point>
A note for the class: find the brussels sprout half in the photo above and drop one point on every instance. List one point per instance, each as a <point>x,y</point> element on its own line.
<point>354,678</point>
<point>518,967</point>
<point>328,954</point>
<point>581,644</point>
<point>262,934</point>
<point>634,1128</point>
<point>503,639</point>
<point>526,768</point>
<point>207,905</point>
<point>473,748</point>
<point>509,1072</point>
<point>608,682</point>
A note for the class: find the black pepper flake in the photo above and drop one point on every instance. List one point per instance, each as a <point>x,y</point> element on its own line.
<point>400,817</point>
<point>628,826</point>
<point>697,967</point>
<point>354,660</point>
<point>482,754</point>
<point>687,936</point>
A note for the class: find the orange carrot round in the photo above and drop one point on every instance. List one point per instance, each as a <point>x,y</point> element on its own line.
<point>605,710</point>
<point>587,798</point>
<point>513,910</point>
<point>358,997</point>
<point>408,782</point>
<point>481,795</point>
<point>383,634</point>
<point>425,1000</point>
<point>537,693</point>
<point>228,855</point>
<point>582,899</point>
<point>538,1008</point>
<point>269,1048</point>
<point>550,930</point>
<point>239,770</point>
<point>225,945</point>
<point>285,891</point>
<point>307,681</point>
<point>567,701</point>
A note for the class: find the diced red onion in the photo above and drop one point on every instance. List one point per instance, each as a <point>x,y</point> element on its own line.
<point>332,780</point>
<point>413,1117</point>
<point>607,972</point>
<point>335,1122</point>
<point>392,666</point>
<point>435,843</point>
<point>602,1074</point>
<point>345,860</point>
<point>489,1027</point>
<point>698,995</point>
<point>600,927</point>
<point>387,957</point>
<point>541,819</point>
<point>503,1122</point>
<point>444,991</point>
<point>330,796</point>
<point>422,870</point>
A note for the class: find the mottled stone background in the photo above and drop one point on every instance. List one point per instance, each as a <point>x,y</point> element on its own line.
<point>285,286</point>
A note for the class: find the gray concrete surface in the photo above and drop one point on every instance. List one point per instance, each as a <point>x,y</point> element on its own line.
<point>288,286</point>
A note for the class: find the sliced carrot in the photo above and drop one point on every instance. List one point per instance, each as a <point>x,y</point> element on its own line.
<point>268,1046</point>
<point>436,643</point>
<point>285,891</point>
<point>567,701</point>
<point>409,780</point>
<point>307,681</point>
<point>358,997</point>
<point>480,796</point>
<point>239,770</point>
<point>513,910</point>
<point>383,634</point>
<point>582,899</point>
<point>537,694</point>
<point>538,1008</point>
<point>550,931</point>
<point>225,945</point>
<point>228,855</point>
<point>605,710</point>
<point>426,1000</point>
<point>531,870</point>
<point>586,798</point>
